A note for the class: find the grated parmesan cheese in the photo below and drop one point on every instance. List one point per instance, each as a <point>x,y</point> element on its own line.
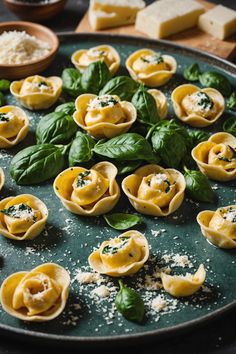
<point>18,47</point>
<point>88,277</point>
<point>101,291</point>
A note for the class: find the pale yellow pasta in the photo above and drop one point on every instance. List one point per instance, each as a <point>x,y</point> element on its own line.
<point>84,57</point>
<point>153,190</point>
<point>216,157</point>
<point>14,126</point>
<point>161,102</point>
<point>104,116</point>
<point>38,295</point>
<point>88,192</point>
<point>37,92</point>
<point>22,217</point>
<point>181,286</point>
<point>123,255</point>
<point>219,227</point>
<point>197,107</point>
<point>151,68</point>
<point>2,178</point>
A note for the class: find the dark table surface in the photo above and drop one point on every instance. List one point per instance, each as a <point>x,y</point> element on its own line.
<point>216,337</point>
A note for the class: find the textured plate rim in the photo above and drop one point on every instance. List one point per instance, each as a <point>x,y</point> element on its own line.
<point>58,339</point>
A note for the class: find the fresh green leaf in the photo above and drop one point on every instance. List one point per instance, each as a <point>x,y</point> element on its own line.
<point>122,86</point>
<point>198,186</point>
<point>216,80</point>
<point>71,82</point>
<point>81,149</point>
<point>229,125</point>
<point>192,72</point>
<point>4,85</point>
<point>129,146</point>
<point>37,163</point>
<point>121,221</point>
<point>129,303</point>
<point>231,102</point>
<point>127,166</point>
<point>146,107</point>
<point>95,77</point>
<point>198,136</point>
<point>56,128</point>
<point>169,145</point>
<point>2,99</point>
<point>67,108</point>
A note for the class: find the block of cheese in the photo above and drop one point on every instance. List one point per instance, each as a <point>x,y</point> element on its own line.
<point>220,22</point>
<point>166,17</point>
<point>113,13</point>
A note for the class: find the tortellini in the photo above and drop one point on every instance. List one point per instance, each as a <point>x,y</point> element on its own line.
<point>2,178</point>
<point>37,92</point>
<point>123,255</point>
<point>197,107</point>
<point>83,57</point>
<point>88,192</point>
<point>181,286</point>
<point>216,157</point>
<point>14,126</point>
<point>219,227</point>
<point>151,68</point>
<point>161,102</point>
<point>104,116</point>
<point>153,190</point>
<point>38,295</point>
<point>22,217</point>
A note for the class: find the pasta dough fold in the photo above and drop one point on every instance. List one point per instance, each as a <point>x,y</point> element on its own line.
<point>88,192</point>
<point>104,116</point>
<point>153,190</point>
<point>83,57</point>
<point>37,92</point>
<point>151,68</point>
<point>22,217</point>
<point>216,157</point>
<point>38,295</point>
<point>197,107</point>
<point>123,255</point>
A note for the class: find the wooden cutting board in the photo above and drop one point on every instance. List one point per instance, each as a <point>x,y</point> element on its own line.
<point>192,37</point>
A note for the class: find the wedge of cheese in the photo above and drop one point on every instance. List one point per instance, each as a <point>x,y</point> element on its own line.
<point>166,17</point>
<point>220,22</point>
<point>113,13</point>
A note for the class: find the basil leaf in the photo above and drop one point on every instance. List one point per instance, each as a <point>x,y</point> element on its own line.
<point>67,108</point>
<point>216,80</point>
<point>94,77</point>
<point>129,146</point>
<point>129,304</point>
<point>71,82</point>
<point>55,128</point>
<point>81,149</point>
<point>146,107</point>
<point>127,166</point>
<point>2,99</point>
<point>198,136</point>
<point>122,86</point>
<point>198,186</point>
<point>231,102</point>
<point>37,163</point>
<point>121,221</point>
<point>192,72</point>
<point>170,146</point>
<point>4,85</point>
<point>229,125</point>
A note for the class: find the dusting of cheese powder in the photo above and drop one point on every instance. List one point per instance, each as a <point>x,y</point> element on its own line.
<point>18,47</point>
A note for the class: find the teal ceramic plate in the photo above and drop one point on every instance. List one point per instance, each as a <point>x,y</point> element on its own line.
<point>68,239</point>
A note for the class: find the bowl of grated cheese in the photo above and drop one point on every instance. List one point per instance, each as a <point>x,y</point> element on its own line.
<point>26,49</point>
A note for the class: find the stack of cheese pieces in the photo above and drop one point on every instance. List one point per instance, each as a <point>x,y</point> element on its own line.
<point>163,17</point>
